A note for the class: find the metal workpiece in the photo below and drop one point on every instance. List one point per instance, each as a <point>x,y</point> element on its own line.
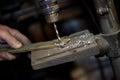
<point>81,45</point>
<point>107,16</point>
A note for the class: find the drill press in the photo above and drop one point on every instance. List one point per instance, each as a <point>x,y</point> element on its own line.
<point>50,9</point>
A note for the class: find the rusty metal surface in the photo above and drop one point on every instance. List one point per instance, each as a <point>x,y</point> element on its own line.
<point>81,45</point>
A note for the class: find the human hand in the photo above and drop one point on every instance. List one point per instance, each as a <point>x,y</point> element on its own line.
<point>13,38</point>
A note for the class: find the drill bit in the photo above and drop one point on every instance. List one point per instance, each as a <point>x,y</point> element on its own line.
<point>57,34</point>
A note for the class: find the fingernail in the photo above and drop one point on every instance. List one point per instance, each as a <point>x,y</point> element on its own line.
<point>10,57</point>
<point>18,45</point>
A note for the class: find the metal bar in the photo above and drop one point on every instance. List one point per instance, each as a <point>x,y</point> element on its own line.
<point>36,46</point>
<point>63,57</point>
<point>81,45</point>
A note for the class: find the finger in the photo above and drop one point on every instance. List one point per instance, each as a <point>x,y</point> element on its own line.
<point>19,36</point>
<point>7,56</point>
<point>14,43</point>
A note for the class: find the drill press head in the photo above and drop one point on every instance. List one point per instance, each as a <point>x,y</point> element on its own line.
<point>50,9</point>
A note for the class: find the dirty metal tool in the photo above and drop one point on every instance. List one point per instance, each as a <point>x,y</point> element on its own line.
<point>36,46</point>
